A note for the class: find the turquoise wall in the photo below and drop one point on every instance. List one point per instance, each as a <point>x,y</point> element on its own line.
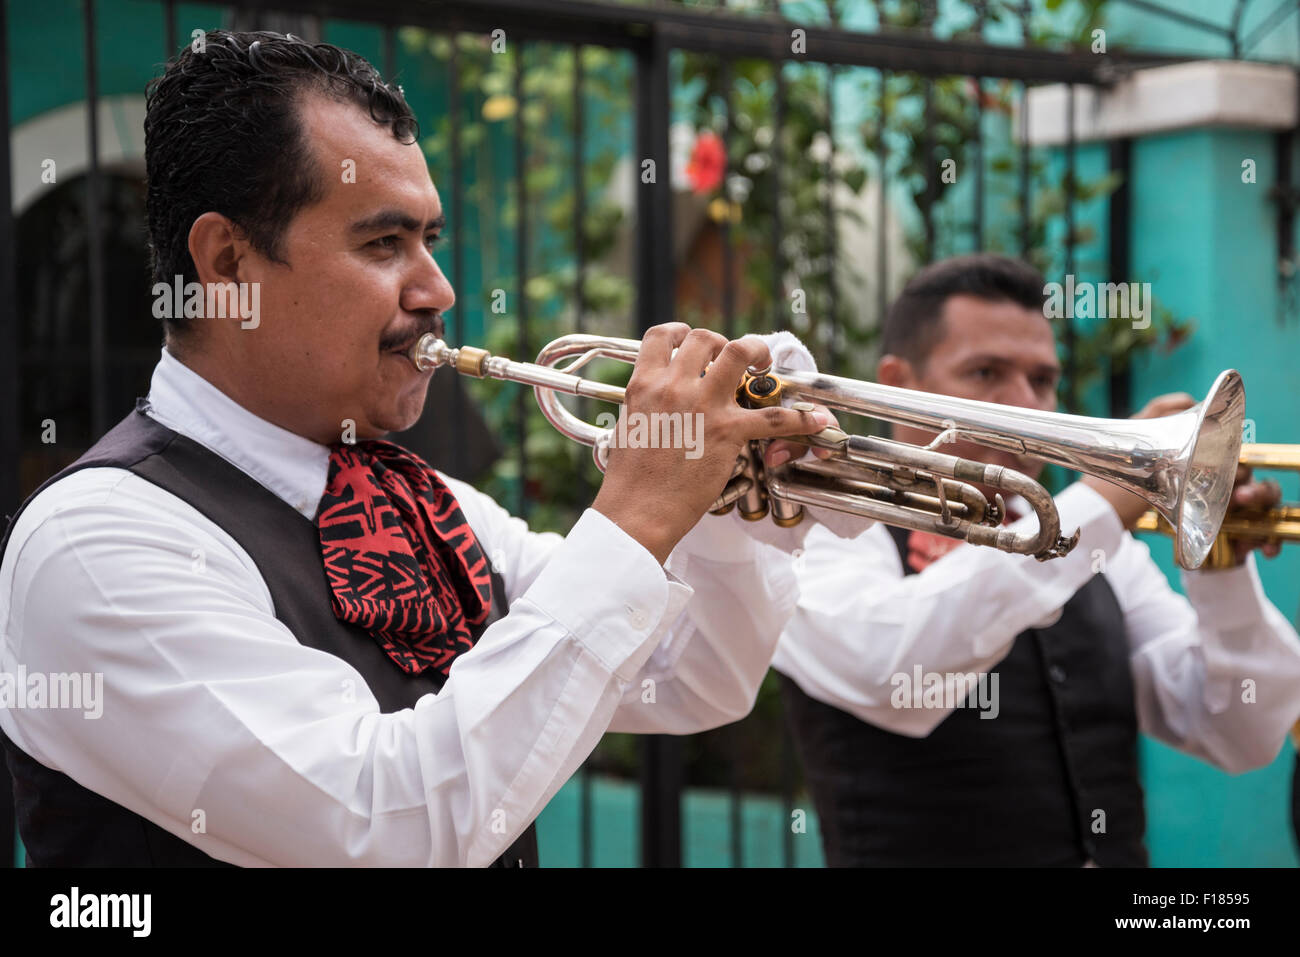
<point>45,49</point>
<point>1206,240</point>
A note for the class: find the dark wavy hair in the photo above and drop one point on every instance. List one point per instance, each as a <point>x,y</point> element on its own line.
<point>223,133</point>
<point>912,327</point>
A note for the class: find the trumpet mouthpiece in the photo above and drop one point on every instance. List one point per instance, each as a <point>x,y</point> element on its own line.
<point>429,352</point>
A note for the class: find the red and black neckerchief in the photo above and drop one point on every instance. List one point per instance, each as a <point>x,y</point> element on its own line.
<point>401,560</point>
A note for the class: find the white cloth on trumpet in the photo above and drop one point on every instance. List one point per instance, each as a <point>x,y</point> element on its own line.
<point>210,702</point>
<point>788,352</point>
<point>1216,673</point>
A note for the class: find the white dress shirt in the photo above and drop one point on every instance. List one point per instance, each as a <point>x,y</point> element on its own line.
<point>1217,673</point>
<point>219,726</point>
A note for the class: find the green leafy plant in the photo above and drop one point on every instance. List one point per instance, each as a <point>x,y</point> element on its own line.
<point>551,495</point>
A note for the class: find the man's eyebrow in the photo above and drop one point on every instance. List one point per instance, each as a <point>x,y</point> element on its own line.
<point>983,358</point>
<point>993,358</point>
<point>395,219</point>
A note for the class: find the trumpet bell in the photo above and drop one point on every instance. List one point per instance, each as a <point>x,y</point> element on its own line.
<point>1202,480</point>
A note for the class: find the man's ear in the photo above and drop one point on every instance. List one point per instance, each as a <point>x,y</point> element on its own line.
<point>896,371</point>
<point>217,245</point>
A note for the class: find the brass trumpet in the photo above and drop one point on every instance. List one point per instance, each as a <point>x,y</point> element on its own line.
<point>1278,524</point>
<point>1183,464</point>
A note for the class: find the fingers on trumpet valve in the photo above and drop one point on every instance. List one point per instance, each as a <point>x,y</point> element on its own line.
<point>748,488</point>
<point>740,483</point>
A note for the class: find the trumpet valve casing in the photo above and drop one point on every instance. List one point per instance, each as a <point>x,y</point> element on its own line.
<point>759,391</point>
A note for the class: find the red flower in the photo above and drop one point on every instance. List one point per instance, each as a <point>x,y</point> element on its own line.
<point>988,98</point>
<point>708,164</point>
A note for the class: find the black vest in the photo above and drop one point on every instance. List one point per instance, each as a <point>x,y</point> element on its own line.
<point>1034,786</point>
<point>63,824</point>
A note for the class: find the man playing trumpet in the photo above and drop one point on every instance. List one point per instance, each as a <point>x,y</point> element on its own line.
<point>956,705</point>
<point>316,649</point>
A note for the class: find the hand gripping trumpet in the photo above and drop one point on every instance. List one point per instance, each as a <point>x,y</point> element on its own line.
<point>1183,465</point>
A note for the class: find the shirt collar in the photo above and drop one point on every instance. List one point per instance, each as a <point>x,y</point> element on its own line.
<point>293,467</point>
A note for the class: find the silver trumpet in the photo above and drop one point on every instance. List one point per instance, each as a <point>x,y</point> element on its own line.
<point>1183,465</point>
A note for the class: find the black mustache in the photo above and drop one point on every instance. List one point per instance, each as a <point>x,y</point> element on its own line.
<point>393,341</point>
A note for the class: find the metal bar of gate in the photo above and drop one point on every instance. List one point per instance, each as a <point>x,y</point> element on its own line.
<point>10,451</point>
<point>586,836</point>
<point>661,755</point>
<point>1118,262</point>
<point>977,139</point>
<point>579,192</point>
<point>735,803</point>
<point>735,793</point>
<point>94,233</point>
<point>831,226</point>
<point>169,27</point>
<point>521,279</point>
<point>653,199</point>
<point>977,164</point>
<point>931,174</point>
<point>728,251</point>
<point>1024,173</point>
<point>1071,360</point>
<point>455,328</point>
<point>390,53</point>
<point>882,205</point>
<point>1024,146</point>
<point>779,314</point>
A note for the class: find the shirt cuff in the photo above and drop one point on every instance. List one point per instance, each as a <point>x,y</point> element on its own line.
<point>1226,599</point>
<point>609,592</point>
<point>721,538</point>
